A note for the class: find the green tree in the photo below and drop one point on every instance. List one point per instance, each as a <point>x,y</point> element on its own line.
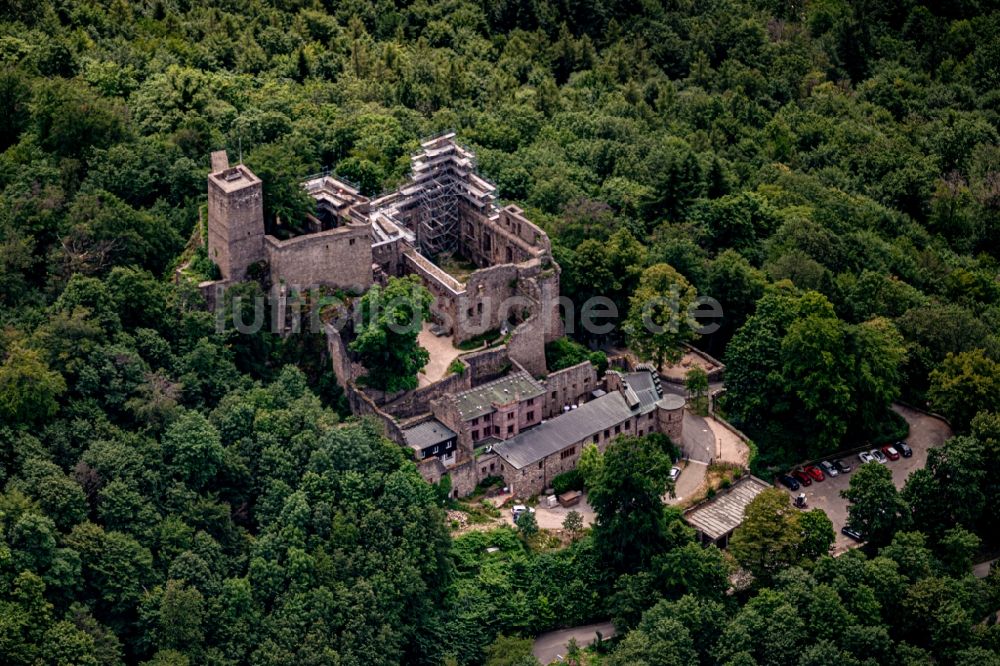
<point>573,523</point>
<point>386,341</point>
<point>963,385</point>
<point>29,390</point>
<point>696,383</point>
<point>876,509</point>
<point>659,319</point>
<point>527,524</point>
<point>510,651</point>
<point>817,534</point>
<point>626,493</point>
<point>770,537</point>
<point>193,449</point>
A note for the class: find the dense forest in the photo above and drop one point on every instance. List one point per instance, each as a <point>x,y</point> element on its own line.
<point>173,494</point>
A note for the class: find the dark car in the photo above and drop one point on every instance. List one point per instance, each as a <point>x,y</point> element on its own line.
<point>802,477</point>
<point>788,482</point>
<point>904,449</point>
<point>852,533</point>
<point>842,467</point>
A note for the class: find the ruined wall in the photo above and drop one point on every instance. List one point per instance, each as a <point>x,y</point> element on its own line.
<point>418,401</point>
<point>339,257</point>
<point>569,386</point>
<point>486,301</point>
<point>463,478</point>
<point>445,411</point>
<point>526,346</point>
<point>487,365</point>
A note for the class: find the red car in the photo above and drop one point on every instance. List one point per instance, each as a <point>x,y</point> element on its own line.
<point>815,472</point>
<point>802,477</point>
<point>890,452</point>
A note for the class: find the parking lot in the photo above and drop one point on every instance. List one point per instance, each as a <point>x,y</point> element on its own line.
<point>926,432</point>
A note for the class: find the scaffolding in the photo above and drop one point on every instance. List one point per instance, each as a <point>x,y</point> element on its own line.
<point>443,180</point>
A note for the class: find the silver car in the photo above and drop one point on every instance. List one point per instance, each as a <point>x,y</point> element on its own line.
<point>878,456</point>
<point>865,457</point>
<point>828,468</point>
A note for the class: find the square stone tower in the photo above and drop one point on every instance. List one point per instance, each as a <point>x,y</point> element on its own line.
<point>235,217</point>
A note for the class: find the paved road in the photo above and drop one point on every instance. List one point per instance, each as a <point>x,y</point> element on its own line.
<point>698,440</point>
<point>982,570</point>
<point>691,479</point>
<point>550,645</point>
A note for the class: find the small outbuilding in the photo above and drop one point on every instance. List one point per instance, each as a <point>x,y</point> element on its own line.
<point>717,518</point>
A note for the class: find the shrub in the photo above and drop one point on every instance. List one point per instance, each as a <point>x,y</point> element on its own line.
<point>571,480</point>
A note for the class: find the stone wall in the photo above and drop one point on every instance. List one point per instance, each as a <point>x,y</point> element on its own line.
<point>526,346</point>
<point>340,257</point>
<point>418,401</point>
<point>671,423</point>
<point>487,365</point>
<point>569,386</point>
<point>235,218</point>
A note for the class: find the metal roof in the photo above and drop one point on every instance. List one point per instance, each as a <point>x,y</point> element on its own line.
<point>723,514</point>
<point>427,434</point>
<point>571,427</point>
<point>480,400</point>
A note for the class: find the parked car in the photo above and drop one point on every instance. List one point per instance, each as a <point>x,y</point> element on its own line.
<point>852,533</point>
<point>865,457</point>
<point>878,456</point>
<point>802,477</point>
<point>815,472</point>
<point>890,452</point>
<point>828,468</point>
<point>842,467</point>
<point>788,482</point>
<point>675,473</point>
<point>904,449</point>
<point>519,510</point>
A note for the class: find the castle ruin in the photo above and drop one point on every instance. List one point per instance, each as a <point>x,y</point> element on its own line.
<point>504,414</point>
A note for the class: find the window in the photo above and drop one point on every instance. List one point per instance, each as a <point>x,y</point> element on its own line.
<point>475,434</point>
<point>492,466</point>
<point>469,312</point>
<point>479,308</point>
<point>484,470</point>
<point>531,416</point>
<point>607,433</point>
<point>435,449</point>
<point>567,453</point>
<point>496,430</point>
<point>510,416</point>
<point>618,428</point>
<point>531,401</point>
<point>351,242</point>
<point>640,432</point>
<point>650,417</point>
<point>510,430</point>
<point>553,395</point>
<point>540,464</point>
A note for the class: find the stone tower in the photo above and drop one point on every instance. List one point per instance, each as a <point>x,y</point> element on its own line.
<point>235,217</point>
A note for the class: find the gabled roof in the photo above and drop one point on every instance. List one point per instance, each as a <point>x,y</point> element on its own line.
<point>480,400</point>
<point>720,516</point>
<point>427,434</point>
<point>574,426</point>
